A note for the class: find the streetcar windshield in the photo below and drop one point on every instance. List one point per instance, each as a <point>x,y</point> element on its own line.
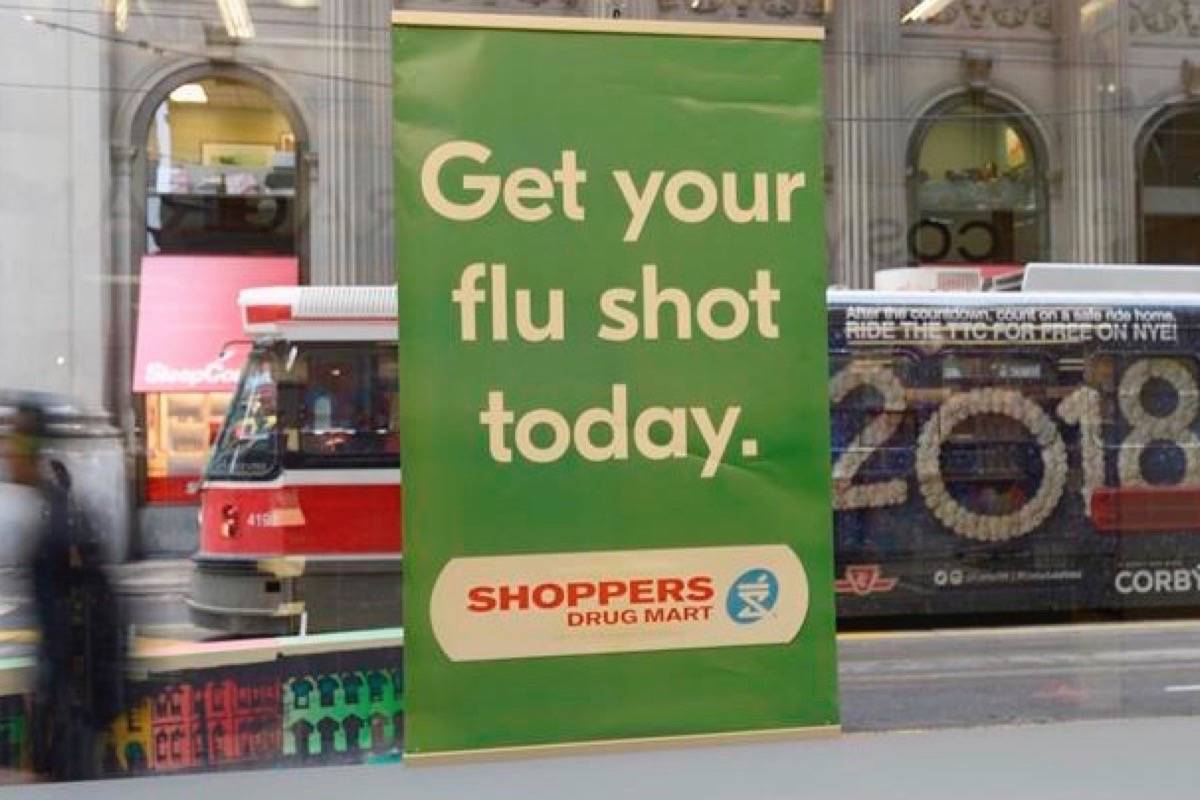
<point>311,405</point>
<point>246,447</point>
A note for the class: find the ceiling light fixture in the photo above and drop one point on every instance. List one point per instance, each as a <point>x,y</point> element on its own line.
<point>190,93</point>
<point>236,16</point>
<point>924,10</point>
<point>120,12</point>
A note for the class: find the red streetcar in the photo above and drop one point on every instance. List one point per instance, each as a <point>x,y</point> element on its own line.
<point>300,503</point>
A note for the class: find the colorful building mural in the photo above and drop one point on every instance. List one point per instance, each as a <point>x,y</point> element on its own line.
<point>322,708</point>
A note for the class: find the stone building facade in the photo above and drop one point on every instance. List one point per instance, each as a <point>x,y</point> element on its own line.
<point>82,81</point>
<point>1084,82</point>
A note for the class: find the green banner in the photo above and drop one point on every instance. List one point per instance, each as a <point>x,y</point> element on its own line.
<point>610,256</point>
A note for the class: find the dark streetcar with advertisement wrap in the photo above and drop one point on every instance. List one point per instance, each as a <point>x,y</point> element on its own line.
<point>992,454</point>
<point>1009,453</point>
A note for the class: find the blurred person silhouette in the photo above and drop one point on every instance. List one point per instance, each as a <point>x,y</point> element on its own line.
<point>81,654</point>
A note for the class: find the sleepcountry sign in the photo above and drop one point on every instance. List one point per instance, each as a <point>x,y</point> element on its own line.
<point>611,269</point>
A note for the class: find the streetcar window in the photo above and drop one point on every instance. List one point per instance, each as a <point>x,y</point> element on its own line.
<point>345,411</point>
<point>957,367</point>
<point>246,447</point>
<point>1018,370</point>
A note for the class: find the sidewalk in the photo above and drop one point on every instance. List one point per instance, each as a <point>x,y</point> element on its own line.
<point>1092,760</point>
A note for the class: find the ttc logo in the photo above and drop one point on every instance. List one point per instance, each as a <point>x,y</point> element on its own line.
<point>752,596</point>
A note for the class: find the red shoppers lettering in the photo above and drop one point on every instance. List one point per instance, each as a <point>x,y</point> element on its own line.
<point>576,594</point>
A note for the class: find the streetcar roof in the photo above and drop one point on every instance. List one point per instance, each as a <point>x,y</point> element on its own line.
<point>342,313</point>
<point>1151,278</point>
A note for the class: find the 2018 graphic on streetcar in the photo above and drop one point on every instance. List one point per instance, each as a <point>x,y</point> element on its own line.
<point>991,454</point>
<point>1014,453</point>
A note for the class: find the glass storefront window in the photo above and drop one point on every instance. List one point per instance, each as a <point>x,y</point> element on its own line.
<point>180,430</point>
<point>976,186</point>
<point>221,169</point>
<point>1170,187</point>
<point>161,160</point>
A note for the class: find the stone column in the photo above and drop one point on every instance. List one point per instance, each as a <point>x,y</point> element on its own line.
<point>351,207</point>
<point>1099,180</point>
<point>118,327</point>
<point>867,216</point>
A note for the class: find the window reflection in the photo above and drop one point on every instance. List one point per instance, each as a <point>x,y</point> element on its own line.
<point>976,186</point>
<point>221,171</point>
<point>1170,187</point>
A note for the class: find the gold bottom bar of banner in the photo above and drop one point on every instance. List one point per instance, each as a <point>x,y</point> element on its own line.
<point>621,745</point>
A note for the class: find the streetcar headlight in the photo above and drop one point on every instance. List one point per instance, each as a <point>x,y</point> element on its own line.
<point>229,525</point>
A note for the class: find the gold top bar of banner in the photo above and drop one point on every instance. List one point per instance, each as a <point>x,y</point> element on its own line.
<point>439,19</point>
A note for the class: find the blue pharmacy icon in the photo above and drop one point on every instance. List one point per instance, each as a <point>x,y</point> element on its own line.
<point>752,596</point>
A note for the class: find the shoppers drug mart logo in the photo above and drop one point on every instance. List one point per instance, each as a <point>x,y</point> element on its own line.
<point>752,596</point>
<point>498,607</point>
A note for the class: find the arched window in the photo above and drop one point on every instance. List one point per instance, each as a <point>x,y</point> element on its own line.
<point>222,172</point>
<point>976,187</point>
<point>1169,187</point>
<point>222,200</point>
